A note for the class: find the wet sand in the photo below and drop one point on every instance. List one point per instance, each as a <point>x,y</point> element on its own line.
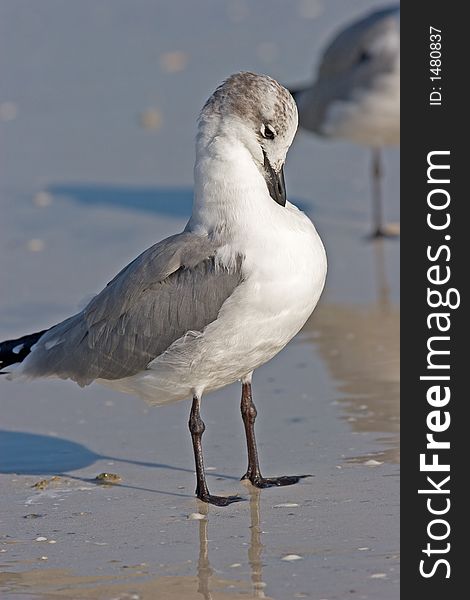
<point>328,406</point>
<point>73,213</point>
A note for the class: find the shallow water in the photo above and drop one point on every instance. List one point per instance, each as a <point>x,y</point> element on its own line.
<point>84,189</point>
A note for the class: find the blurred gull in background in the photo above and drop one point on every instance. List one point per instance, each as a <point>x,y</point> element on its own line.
<point>356,95</point>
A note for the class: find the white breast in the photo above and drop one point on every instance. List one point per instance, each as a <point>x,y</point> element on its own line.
<point>285,271</point>
<point>370,117</point>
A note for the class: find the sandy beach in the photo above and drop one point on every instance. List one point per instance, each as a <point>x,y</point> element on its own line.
<point>97,166</point>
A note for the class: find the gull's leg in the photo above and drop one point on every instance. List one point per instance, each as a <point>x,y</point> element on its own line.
<point>253,472</point>
<point>377,213</point>
<point>197,427</point>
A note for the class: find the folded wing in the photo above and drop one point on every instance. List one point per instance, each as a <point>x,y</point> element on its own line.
<point>174,287</point>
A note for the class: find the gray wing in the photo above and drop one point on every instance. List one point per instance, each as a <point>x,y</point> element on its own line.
<point>172,288</point>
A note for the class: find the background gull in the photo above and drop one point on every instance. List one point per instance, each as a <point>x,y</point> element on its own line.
<point>208,306</point>
<point>356,94</point>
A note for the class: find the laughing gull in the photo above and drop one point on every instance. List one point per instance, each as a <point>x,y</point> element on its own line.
<point>356,95</point>
<point>206,307</point>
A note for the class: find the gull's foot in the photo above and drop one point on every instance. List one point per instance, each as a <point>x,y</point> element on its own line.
<point>377,234</point>
<point>219,500</point>
<point>265,482</point>
<point>387,231</point>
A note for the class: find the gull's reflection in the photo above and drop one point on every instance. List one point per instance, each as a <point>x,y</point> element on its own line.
<point>382,285</point>
<point>204,570</point>
<point>360,346</point>
<point>255,550</point>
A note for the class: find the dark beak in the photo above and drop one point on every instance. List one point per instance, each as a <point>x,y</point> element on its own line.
<point>275,182</point>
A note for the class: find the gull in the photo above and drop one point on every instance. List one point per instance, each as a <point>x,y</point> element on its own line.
<point>205,307</point>
<point>356,94</point>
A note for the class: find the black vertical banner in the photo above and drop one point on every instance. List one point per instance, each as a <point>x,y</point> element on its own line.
<point>435,250</point>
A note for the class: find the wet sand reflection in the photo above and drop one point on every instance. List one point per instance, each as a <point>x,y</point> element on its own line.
<point>360,345</point>
<point>255,550</point>
<point>63,584</point>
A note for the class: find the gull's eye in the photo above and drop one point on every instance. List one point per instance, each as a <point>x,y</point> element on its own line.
<point>268,132</point>
<point>364,57</point>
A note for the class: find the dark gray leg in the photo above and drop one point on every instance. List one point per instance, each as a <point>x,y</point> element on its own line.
<point>253,472</point>
<point>197,427</point>
<point>377,213</point>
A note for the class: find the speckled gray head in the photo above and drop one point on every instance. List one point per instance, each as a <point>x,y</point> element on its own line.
<point>255,98</point>
<point>261,114</point>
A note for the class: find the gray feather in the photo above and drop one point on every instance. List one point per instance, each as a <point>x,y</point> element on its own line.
<point>348,65</point>
<point>174,287</point>
<point>345,50</point>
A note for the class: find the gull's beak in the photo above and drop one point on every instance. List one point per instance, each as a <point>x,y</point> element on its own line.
<point>275,182</point>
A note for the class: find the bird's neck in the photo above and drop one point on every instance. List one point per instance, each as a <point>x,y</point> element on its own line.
<point>229,188</point>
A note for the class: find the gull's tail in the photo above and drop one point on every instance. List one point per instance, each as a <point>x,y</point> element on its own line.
<point>15,351</point>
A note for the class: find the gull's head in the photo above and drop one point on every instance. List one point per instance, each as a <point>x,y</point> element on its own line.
<point>256,115</point>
